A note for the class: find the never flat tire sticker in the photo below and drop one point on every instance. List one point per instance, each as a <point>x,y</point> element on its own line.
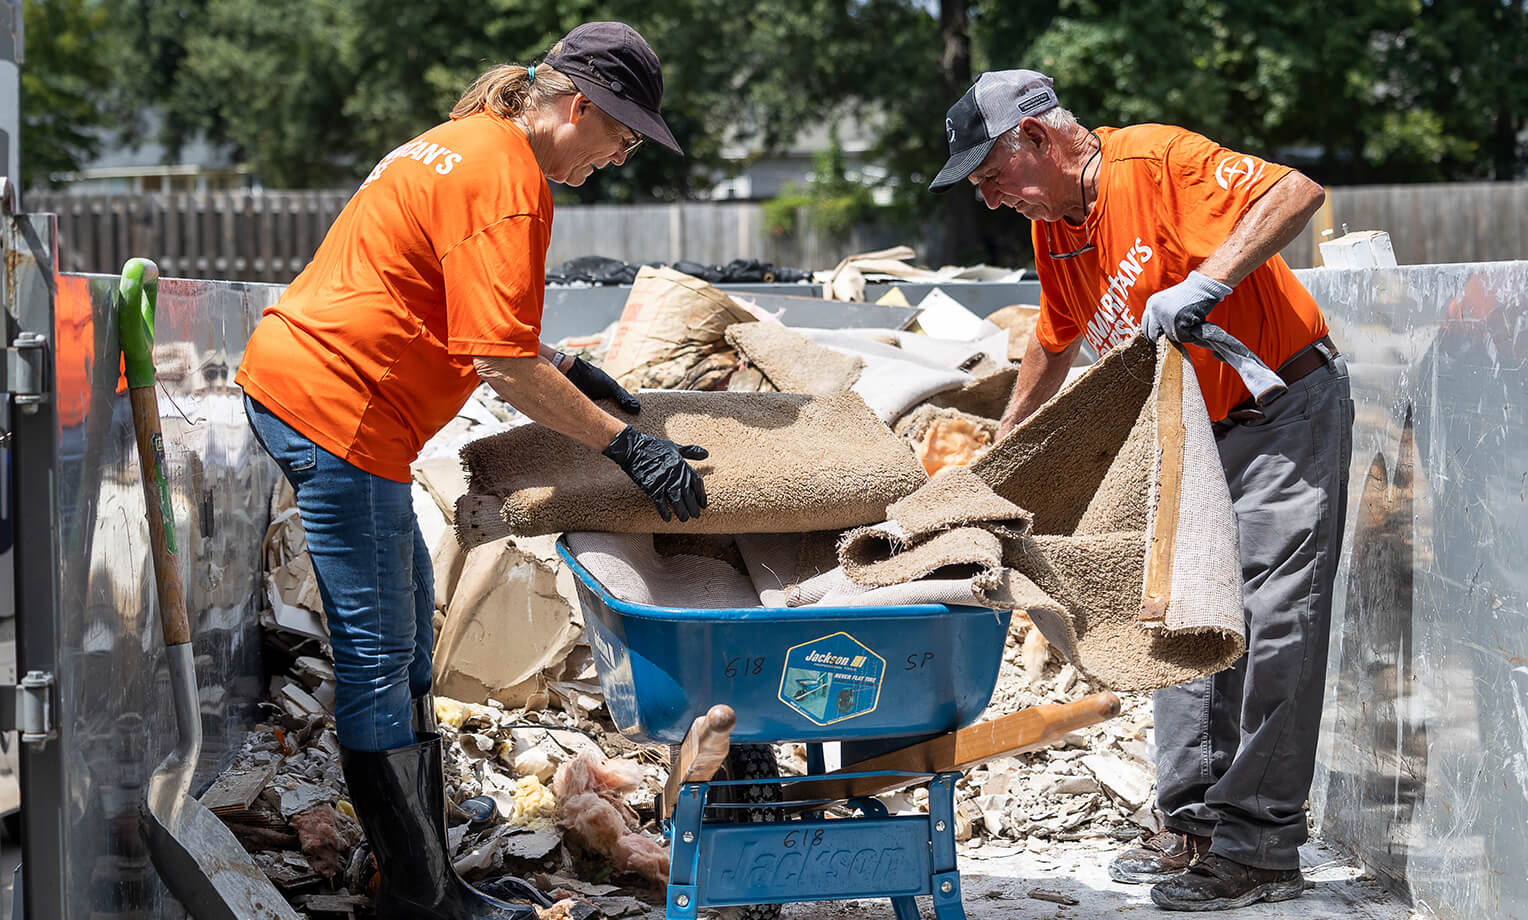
<point>832,678</point>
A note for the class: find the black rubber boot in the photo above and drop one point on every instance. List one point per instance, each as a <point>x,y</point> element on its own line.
<point>399,795</point>
<point>424,716</point>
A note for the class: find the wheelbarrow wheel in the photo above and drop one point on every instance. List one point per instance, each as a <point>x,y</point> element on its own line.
<point>749,761</point>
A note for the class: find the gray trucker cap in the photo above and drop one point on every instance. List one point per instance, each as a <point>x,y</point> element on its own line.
<point>990,107</point>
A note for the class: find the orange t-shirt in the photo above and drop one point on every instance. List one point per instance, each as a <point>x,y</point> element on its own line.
<point>1167,198</point>
<point>438,258</point>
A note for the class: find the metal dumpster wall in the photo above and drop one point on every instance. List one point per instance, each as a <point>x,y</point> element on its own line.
<point>1424,760</point>
<point>113,694</point>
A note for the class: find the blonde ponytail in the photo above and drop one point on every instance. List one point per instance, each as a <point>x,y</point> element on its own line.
<point>507,91</point>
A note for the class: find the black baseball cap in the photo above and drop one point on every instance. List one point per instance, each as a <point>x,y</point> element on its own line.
<point>615,67</point>
<point>993,105</point>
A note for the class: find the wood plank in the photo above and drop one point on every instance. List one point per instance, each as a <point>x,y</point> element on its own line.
<point>1170,435</point>
<point>236,790</point>
<point>1025,730</point>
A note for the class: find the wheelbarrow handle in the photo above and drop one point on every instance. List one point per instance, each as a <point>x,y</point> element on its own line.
<point>137,290</point>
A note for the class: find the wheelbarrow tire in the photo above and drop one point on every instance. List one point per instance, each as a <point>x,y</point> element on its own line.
<point>750,761</point>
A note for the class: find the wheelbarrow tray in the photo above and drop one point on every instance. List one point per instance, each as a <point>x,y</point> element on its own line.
<point>791,673</point>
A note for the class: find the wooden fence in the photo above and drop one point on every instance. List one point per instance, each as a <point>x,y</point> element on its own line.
<point>1428,224</point>
<point>244,236</point>
<point>270,236</point>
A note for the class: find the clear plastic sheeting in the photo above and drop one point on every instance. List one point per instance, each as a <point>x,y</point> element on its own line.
<point>1424,761</point>
<point>114,710</point>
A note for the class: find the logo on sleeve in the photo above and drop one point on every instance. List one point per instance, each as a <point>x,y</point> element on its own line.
<point>1236,171</point>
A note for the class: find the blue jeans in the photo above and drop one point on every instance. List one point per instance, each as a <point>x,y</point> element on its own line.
<point>374,576</point>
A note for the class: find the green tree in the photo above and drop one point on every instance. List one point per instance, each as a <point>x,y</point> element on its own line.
<point>1453,93</point>
<point>1351,90</point>
<point>283,112</point>
<point>149,72</point>
<point>64,78</point>
<point>1374,90</point>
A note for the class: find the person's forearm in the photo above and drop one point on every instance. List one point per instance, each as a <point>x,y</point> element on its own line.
<point>1040,375</point>
<point>550,353</point>
<point>1273,221</point>
<point>544,395</point>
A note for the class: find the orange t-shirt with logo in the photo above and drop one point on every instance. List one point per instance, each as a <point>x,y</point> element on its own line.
<point>439,257</point>
<point>1167,198</point>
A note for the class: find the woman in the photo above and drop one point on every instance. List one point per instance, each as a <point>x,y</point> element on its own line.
<point>431,280</point>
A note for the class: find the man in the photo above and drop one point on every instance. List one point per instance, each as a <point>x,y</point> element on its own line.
<point>1154,226</point>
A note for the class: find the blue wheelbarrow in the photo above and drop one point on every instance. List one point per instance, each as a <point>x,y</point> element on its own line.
<point>897,687</point>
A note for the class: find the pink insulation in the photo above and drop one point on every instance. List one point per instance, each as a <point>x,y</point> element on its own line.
<point>591,807</point>
<point>327,837</point>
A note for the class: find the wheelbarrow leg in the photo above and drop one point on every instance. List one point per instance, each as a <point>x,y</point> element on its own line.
<point>906,908</point>
<point>684,854</point>
<point>946,878</point>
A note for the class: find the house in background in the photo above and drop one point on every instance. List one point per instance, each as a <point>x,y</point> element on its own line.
<point>762,175</point>
<point>200,166</point>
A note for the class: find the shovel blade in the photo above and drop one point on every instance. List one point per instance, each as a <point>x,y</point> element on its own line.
<point>204,865</point>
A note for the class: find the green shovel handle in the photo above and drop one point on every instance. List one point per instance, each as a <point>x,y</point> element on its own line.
<point>138,288</point>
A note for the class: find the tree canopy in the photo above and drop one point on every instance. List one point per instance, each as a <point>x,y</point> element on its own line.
<point>64,85</point>
<point>311,93</point>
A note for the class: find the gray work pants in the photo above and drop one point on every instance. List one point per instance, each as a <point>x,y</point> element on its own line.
<point>1236,751</point>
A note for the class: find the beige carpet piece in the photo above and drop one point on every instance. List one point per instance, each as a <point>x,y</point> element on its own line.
<point>1085,470</point>
<point>631,569</point>
<point>954,522</point>
<point>779,463</point>
<point>792,362</point>
<point>893,380</point>
<point>1086,465</point>
<point>985,396</point>
<point>800,570</point>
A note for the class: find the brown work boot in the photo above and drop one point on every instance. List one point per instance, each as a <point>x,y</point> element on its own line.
<point>1162,856</point>
<point>1218,883</point>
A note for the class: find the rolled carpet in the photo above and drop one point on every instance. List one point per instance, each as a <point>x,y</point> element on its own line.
<point>1120,486</point>
<point>793,362</point>
<point>779,463</point>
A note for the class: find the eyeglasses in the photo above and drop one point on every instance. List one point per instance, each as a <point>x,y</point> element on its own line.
<point>1086,247</point>
<point>1082,189</point>
<point>630,148</point>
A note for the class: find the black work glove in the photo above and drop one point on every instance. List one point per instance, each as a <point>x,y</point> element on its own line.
<point>596,384</point>
<point>659,467</point>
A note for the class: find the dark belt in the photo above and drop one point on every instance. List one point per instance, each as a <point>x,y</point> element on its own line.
<point>1305,362</point>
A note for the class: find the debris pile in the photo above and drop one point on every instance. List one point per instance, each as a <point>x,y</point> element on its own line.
<point>529,795</point>
<point>539,785</point>
<point>1097,783</point>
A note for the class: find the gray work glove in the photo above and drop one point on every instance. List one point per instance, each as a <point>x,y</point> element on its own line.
<point>658,466</point>
<point>596,384</point>
<point>1264,385</point>
<point>1178,311</point>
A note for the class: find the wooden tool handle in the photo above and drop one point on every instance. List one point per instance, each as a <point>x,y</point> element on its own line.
<point>1158,587</point>
<point>1015,733</point>
<point>161,514</point>
<point>1049,722</point>
<point>702,753</point>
